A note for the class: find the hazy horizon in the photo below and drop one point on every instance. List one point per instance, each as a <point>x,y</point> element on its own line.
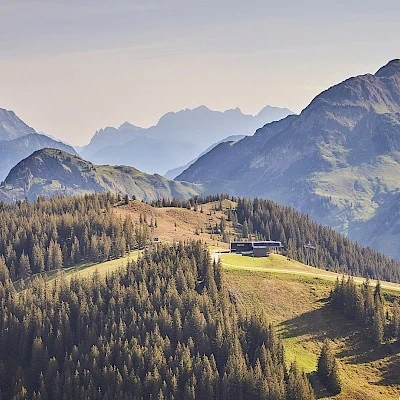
<point>69,69</point>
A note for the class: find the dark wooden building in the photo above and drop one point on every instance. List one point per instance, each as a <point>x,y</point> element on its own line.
<point>260,248</point>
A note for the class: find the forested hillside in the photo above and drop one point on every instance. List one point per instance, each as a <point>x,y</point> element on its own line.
<point>163,328</point>
<point>51,234</point>
<point>265,219</point>
<point>335,252</point>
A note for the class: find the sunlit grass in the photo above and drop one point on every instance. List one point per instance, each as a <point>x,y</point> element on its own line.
<point>279,264</point>
<point>296,303</point>
<point>103,268</point>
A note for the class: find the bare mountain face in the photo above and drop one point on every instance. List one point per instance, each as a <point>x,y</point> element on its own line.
<point>11,127</point>
<point>176,140</point>
<point>13,151</point>
<point>339,160</point>
<point>50,172</point>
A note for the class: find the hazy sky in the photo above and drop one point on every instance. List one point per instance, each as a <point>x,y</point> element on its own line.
<point>70,67</point>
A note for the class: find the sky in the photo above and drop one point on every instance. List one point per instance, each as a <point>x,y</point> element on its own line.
<point>71,67</point>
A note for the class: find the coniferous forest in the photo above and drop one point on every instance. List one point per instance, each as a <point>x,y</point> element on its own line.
<point>163,328</point>
<point>166,326</point>
<point>50,234</point>
<point>367,306</point>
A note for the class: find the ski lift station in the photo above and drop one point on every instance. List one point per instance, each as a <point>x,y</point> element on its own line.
<point>256,248</point>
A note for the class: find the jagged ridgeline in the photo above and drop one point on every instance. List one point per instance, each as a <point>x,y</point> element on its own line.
<point>50,234</point>
<point>165,327</point>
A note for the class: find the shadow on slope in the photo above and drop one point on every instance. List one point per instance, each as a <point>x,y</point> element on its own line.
<point>353,347</point>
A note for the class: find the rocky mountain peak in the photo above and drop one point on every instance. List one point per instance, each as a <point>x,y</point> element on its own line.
<point>390,69</point>
<point>127,125</point>
<point>12,127</point>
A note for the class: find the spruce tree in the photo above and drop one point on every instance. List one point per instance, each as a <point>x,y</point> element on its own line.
<point>245,230</point>
<point>378,327</point>
<point>57,256</point>
<point>328,371</point>
<point>24,266</point>
<point>298,387</point>
<point>395,321</point>
<point>4,272</point>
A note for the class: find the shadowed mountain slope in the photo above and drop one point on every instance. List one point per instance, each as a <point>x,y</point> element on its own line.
<point>339,160</point>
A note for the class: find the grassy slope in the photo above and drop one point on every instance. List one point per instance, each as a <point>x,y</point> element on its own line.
<point>175,224</point>
<point>296,303</point>
<point>85,270</point>
<point>279,264</point>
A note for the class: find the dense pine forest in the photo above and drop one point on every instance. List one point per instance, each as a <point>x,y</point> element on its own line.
<point>63,231</point>
<point>163,328</point>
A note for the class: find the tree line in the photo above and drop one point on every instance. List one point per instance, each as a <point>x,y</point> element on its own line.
<point>266,220</point>
<point>335,252</point>
<point>368,308</point>
<point>192,202</point>
<point>63,231</point>
<point>164,327</point>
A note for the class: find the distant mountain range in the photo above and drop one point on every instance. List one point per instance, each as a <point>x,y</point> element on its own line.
<point>50,172</point>
<point>173,173</point>
<point>338,161</point>
<point>176,140</point>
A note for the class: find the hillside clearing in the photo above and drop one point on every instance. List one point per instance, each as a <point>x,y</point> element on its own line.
<point>102,268</point>
<point>179,224</point>
<point>296,301</point>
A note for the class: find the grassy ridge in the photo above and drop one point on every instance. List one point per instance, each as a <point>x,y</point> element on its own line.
<point>276,263</point>
<point>295,298</point>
